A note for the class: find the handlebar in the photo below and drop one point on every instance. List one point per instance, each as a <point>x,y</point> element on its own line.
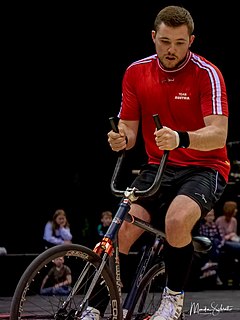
<point>133,192</point>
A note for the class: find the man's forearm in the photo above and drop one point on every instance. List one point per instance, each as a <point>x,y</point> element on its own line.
<point>207,138</point>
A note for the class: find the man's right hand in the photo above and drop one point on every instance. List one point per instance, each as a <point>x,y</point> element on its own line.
<point>117,141</point>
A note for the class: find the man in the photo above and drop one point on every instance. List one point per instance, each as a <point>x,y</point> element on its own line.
<point>59,279</point>
<point>189,95</point>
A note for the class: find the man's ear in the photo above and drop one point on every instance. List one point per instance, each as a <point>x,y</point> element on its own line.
<point>153,35</point>
<point>192,37</point>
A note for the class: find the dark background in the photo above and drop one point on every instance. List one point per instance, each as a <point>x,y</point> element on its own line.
<point>62,69</point>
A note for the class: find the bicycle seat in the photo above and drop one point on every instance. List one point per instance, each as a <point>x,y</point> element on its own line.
<point>201,244</point>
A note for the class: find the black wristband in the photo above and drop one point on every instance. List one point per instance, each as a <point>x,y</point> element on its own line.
<point>183,139</point>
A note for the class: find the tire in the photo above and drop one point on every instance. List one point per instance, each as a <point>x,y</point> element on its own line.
<point>148,295</point>
<point>27,303</point>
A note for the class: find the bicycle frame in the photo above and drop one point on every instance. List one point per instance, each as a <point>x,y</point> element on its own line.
<point>108,249</point>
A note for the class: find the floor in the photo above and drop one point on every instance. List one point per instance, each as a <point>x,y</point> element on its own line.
<point>209,304</point>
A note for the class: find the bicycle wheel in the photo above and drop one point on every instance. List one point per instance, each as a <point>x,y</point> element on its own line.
<point>28,303</point>
<point>148,294</point>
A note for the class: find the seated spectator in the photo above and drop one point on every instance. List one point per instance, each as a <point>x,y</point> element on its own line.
<point>58,279</point>
<point>228,221</point>
<point>208,228</point>
<point>106,219</point>
<point>231,262</point>
<point>57,231</point>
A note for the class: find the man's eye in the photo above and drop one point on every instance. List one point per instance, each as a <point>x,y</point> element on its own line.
<point>165,41</point>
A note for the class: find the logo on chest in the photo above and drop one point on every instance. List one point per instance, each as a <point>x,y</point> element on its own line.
<point>182,96</point>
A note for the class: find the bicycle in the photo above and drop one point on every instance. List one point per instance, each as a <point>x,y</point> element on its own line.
<point>96,272</point>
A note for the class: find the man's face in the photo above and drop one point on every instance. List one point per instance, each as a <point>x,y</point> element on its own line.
<point>59,261</point>
<point>171,44</point>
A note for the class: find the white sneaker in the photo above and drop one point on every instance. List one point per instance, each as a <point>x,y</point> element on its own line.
<point>170,308</point>
<point>91,314</point>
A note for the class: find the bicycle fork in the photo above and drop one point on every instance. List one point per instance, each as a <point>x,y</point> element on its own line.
<point>79,281</point>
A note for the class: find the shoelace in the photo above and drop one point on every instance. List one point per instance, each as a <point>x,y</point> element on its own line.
<point>167,309</point>
<point>90,313</point>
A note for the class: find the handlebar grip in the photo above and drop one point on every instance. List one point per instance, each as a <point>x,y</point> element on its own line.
<point>157,121</point>
<point>113,124</point>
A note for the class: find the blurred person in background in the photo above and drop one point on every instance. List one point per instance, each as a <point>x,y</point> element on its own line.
<point>208,228</point>
<point>228,221</point>
<point>58,279</point>
<point>57,231</point>
<point>106,219</point>
<point>231,261</point>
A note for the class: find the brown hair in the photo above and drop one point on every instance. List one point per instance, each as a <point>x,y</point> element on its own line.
<point>106,213</point>
<point>229,209</point>
<point>174,16</point>
<point>57,213</point>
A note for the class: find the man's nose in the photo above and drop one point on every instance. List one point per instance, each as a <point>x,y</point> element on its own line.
<point>171,49</point>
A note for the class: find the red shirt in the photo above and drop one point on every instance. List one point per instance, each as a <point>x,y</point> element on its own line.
<point>181,98</point>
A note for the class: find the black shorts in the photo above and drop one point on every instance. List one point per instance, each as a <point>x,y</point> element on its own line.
<point>204,185</point>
